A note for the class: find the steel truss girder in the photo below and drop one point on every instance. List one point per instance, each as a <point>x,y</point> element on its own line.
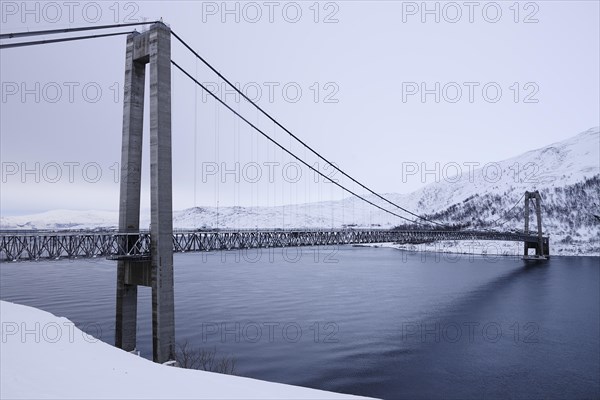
<point>56,245</point>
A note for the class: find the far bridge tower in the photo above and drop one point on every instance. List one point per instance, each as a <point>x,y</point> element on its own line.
<point>542,246</point>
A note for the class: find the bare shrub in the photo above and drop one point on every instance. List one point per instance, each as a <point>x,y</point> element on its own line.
<point>191,357</point>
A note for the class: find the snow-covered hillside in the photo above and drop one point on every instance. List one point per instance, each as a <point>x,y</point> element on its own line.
<point>558,164</point>
<point>566,174</point>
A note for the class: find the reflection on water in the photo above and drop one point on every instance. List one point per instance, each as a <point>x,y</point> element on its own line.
<point>376,322</point>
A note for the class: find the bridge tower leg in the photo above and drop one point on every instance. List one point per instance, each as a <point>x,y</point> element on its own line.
<point>542,246</point>
<point>152,47</point>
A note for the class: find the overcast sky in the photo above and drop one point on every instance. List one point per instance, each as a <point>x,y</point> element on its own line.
<point>347,77</point>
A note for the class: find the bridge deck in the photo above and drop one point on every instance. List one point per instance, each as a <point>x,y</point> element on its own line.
<point>30,245</point>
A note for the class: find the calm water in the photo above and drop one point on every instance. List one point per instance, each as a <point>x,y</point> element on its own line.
<point>377,322</point>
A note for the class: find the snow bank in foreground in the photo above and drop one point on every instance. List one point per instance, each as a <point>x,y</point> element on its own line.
<point>54,359</point>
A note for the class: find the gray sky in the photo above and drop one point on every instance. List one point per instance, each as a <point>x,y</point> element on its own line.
<point>360,66</point>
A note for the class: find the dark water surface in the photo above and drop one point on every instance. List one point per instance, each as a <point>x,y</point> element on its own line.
<point>376,322</point>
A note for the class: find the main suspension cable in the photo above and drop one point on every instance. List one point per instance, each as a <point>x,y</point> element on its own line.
<point>283,148</point>
<point>294,136</point>
<point>69,30</point>
<point>69,39</point>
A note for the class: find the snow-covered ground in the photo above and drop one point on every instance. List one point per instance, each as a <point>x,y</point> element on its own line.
<point>490,249</point>
<point>476,197</point>
<point>46,357</point>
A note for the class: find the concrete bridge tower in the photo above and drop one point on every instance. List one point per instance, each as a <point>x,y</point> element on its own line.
<point>542,246</point>
<point>152,47</point>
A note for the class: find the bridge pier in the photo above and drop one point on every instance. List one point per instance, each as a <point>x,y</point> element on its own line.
<point>152,47</point>
<point>126,315</point>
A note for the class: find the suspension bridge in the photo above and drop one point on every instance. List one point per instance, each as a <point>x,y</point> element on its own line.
<point>40,245</point>
<point>145,258</point>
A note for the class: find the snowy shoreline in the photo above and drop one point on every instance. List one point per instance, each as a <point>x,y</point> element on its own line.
<point>45,356</point>
<point>489,249</point>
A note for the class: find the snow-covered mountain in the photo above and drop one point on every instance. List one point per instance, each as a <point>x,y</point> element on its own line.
<point>62,219</point>
<point>556,165</point>
<point>566,173</point>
